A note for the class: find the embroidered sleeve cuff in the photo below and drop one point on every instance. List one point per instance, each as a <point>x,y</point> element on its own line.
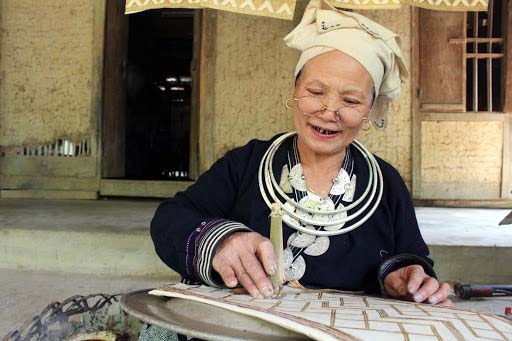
<point>208,243</point>
<point>399,261</point>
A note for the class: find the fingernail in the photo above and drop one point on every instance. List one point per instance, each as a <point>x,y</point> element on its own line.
<point>418,298</point>
<point>258,295</point>
<point>432,300</point>
<point>272,270</point>
<point>267,292</point>
<point>410,288</point>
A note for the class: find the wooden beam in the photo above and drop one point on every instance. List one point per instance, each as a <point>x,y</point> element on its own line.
<point>140,188</point>
<point>507,82</point>
<point>506,178</point>
<point>476,40</point>
<point>490,22</point>
<point>193,166</point>
<point>49,183</point>
<point>441,107</point>
<point>463,203</point>
<point>484,56</point>
<point>464,117</point>
<point>207,89</point>
<point>475,63</point>
<point>48,194</point>
<point>416,119</point>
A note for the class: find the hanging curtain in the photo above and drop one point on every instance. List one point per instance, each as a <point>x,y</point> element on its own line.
<point>284,9</point>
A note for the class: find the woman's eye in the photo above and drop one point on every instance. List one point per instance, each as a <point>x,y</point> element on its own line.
<point>352,101</point>
<point>315,92</point>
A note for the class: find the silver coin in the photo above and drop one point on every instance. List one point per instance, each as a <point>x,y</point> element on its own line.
<point>351,189</point>
<point>287,257</point>
<point>296,270</point>
<point>300,239</point>
<point>319,247</point>
<point>339,182</point>
<point>315,202</point>
<point>285,180</point>
<point>330,217</point>
<point>297,178</point>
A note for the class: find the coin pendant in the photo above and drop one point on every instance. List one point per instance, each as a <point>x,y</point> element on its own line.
<point>296,269</point>
<point>319,246</point>
<point>331,217</point>
<point>285,180</point>
<point>350,190</point>
<point>339,182</point>
<point>297,179</point>
<point>300,239</point>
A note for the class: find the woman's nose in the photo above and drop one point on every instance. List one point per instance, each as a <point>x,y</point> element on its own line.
<point>329,113</point>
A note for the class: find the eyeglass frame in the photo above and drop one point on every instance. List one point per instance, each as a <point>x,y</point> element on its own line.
<point>336,111</point>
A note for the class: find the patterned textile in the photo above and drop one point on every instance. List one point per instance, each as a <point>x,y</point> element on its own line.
<point>284,9</point>
<point>327,316</point>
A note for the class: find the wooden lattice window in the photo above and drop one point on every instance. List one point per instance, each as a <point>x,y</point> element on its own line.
<point>457,52</point>
<point>485,58</point>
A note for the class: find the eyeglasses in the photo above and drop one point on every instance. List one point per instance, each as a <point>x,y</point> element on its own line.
<point>314,106</point>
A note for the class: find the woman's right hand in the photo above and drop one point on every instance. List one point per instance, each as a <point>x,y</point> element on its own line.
<point>246,258</point>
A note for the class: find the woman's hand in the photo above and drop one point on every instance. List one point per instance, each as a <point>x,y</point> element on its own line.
<point>246,258</point>
<point>412,283</point>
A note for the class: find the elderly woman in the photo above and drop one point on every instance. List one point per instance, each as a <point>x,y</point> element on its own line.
<point>349,218</point>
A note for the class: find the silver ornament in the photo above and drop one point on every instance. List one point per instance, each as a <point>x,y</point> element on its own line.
<point>285,180</point>
<point>339,182</point>
<point>319,247</point>
<point>297,178</point>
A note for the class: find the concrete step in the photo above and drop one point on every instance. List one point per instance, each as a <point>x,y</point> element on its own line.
<point>100,237</point>
<point>111,237</point>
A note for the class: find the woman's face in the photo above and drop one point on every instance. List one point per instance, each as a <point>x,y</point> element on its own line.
<point>337,80</point>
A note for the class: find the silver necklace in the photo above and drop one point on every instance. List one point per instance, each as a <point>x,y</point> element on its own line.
<point>315,218</point>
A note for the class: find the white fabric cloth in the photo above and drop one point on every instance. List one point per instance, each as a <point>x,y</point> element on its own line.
<point>324,28</point>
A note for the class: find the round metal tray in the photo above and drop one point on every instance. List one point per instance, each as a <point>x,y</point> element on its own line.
<point>201,320</point>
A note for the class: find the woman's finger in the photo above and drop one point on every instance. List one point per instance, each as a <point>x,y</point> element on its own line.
<point>266,254</point>
<point>245,280</point>
<point>257,274</point>
<point>415,278</point>
<point>430,286</point>
<point>441,294</point>
<point>228,276</point>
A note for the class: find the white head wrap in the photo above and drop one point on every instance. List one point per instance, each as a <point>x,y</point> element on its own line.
<point>323,28</point>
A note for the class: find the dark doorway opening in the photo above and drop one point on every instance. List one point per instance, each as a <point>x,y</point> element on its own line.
<point>159,90</point>
<point>149,94</point>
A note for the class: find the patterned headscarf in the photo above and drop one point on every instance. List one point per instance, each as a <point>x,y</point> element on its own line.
<point>324,28</point>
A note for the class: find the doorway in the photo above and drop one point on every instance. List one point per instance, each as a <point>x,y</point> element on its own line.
<point>148,136</point>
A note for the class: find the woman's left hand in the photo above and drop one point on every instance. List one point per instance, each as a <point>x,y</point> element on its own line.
<point>412,283</point>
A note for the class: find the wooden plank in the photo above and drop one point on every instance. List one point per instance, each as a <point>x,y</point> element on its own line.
<point>90,147</point>
<point>49,183</point>
<point>416,118</point>
<point>113,129</point>
<point>79,167</point>
<point>475,63</point>
<point>195,100</point>
<point>207,89</point>
<point>440,107</point>
<point>463,203</point>
<point>442,69</point>
<point>490,22</point>
<point>475,40</point>
<point>48,194</point>
<point>138,188</point>
<point>484,56</point>
<point>464,117</point>
<point>506,93</point>
<point>506,182</point>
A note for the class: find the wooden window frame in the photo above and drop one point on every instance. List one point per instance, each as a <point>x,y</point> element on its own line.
<point>419,115</point>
